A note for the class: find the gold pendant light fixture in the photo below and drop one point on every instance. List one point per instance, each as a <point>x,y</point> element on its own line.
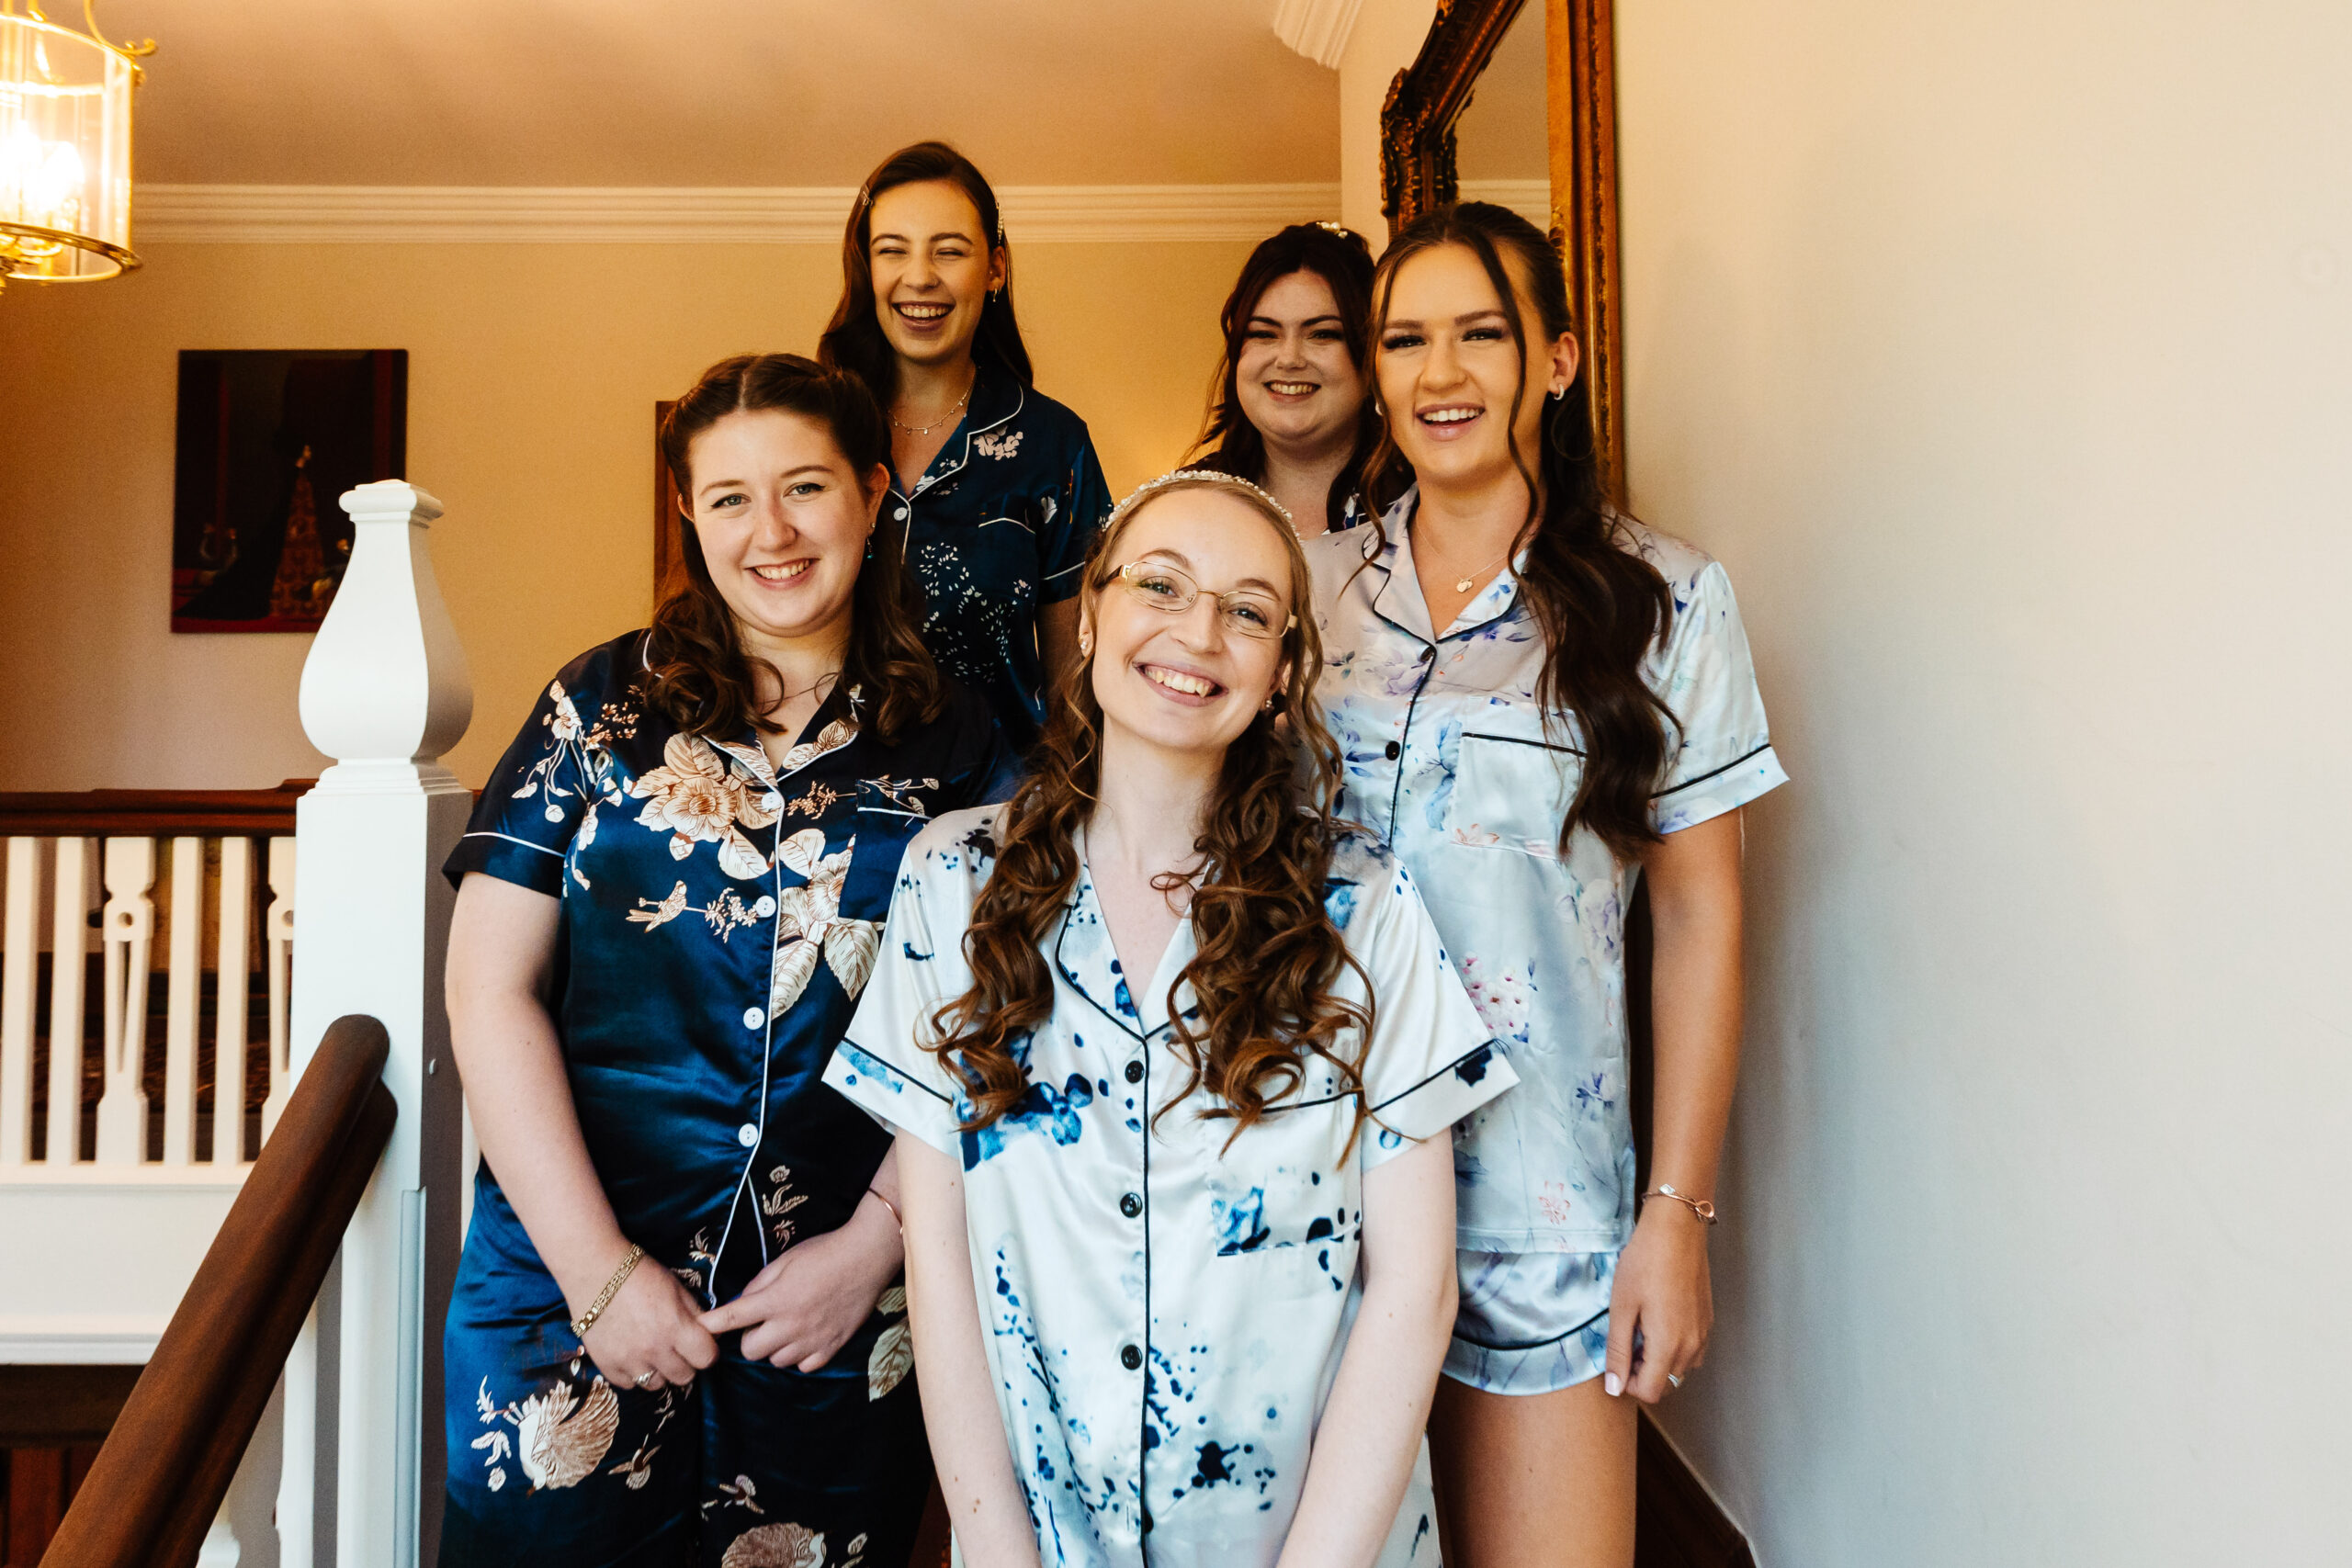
<point>65,147</point>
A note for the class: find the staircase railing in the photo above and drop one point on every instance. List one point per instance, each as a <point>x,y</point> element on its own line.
<point>341,1277</point>
<point>159,1481</point>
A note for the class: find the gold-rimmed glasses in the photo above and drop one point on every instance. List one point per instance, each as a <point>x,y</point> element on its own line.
<point>1245,612</point>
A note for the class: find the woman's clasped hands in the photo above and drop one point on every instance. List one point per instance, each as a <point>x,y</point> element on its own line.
<point>803,1307</point>
<point>649,1335</point>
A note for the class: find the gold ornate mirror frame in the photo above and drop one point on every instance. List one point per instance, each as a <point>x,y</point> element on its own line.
<point>1417,166</point>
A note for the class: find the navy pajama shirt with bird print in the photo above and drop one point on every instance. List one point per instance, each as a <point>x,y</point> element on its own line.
<point>719,918</point>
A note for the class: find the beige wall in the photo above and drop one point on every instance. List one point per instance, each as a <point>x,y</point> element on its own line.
<point>1386,36</point>
<point>2000,350</point>
<point>532,376</point>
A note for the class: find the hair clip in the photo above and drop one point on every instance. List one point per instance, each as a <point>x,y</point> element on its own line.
<point>1332,226</point>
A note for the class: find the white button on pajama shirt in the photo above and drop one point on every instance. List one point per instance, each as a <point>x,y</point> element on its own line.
<point>1164,1313</point>
<point>1448,759</point>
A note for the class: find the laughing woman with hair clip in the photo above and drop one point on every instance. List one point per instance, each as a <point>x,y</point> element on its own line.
<point>1540,700</point>
<point>995,490</point>
<point>675,1336</point>
<point>1179,1248</point>
<point>1292,410</point>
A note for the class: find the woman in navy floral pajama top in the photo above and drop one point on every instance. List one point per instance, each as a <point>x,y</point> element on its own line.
<point>996,494</point>
<point>670,901</point>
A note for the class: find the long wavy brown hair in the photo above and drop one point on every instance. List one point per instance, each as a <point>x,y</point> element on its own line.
<point>700,675</point>
<point>1268,952</point>
<point>1598,605</point>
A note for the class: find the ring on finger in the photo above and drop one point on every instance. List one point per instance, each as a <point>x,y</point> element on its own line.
<point>1674,1379</point>
<point>645,1380</point>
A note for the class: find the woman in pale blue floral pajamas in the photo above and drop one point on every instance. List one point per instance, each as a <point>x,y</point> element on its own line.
<point>1538,700</point>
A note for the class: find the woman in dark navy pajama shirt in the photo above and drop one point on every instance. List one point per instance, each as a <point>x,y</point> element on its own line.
<point>671,898</point>
<point>995,489</point>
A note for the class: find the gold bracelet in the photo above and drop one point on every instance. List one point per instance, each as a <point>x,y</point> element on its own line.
<point>895,1218</point>
<point>587,1320</point>
<point>1702,1207</point>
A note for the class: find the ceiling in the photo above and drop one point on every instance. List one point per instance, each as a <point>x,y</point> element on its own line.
<point>720,92</point>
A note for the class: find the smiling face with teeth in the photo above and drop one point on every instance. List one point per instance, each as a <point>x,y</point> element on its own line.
<point>782,517</point>
<point>933,270</point>
<point>1294,375</point>
<point>1184,683</point>
<point>1448,370</point>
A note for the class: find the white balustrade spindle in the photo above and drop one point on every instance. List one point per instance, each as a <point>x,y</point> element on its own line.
<point>234,967</point>
<point>69,946</point>
<point>278,931</point>
<point>386,693</point>
<point>19,980</point>
<point>129,926</point>
<point>184,981</point>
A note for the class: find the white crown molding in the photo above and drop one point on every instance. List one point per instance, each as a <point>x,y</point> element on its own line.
<point>1316,28</point>
<point>722,215</point>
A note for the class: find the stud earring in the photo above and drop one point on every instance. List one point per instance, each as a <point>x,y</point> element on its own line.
<point>1267,706</point>
<point>1085,646</point>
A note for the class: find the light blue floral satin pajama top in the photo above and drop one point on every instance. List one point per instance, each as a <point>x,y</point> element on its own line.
<point>1448,758</point>
<point>1164,1313</point>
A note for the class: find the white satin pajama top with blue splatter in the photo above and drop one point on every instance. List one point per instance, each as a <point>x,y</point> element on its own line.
<point>1449,759</point>
<point>1164,1314</point>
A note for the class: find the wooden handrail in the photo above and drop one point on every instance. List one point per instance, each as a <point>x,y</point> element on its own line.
<point>159,1480</point>
<point>152,813</point>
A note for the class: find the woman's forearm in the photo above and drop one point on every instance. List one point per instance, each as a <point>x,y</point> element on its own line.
<point>1371,1429</point>
<point>510,1060</point>
<point>984,1505</point>
<point>1695,1000</point>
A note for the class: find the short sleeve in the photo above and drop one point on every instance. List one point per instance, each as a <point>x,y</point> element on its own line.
<point>1081,509</point>
<point>880,1064</point>
<point>530,810</point>
<point>1719,748</point>
<point>1431,1061</point>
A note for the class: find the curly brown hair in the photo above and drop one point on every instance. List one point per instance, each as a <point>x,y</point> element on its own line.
<point>1268,952</point>
<point>701,677</point>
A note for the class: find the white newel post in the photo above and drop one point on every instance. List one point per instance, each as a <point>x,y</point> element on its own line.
<point>385,693</point>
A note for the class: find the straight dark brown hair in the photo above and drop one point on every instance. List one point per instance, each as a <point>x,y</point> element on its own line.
<point>1598,605</point>
<point>701,676</point>
<point>854,339</point>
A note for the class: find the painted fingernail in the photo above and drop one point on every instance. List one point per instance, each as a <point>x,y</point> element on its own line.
<point>1613,1385</point>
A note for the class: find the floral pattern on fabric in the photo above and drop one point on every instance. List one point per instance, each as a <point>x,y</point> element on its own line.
<point>997,528</point>
<point>1449,756</point>
<point>719,916</point>
<point>699,798</point>
<point>1164,1302</point>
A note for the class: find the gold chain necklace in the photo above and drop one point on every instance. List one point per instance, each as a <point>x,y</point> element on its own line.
<point>943,419</point>
<point>1462,584</point>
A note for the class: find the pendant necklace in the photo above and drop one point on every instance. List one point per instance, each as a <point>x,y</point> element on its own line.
<point>1462,584</point>
<point>943,419</point>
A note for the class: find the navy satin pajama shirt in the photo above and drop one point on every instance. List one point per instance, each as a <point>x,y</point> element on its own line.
<point>998,528</point>
<point>720,917</point>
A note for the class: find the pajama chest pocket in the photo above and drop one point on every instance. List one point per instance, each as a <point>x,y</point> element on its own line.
<point>1511,792</point>
<point>890,812</point>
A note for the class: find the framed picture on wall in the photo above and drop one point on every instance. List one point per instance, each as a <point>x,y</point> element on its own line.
<point>268,441</point>
<point>669,540</point>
